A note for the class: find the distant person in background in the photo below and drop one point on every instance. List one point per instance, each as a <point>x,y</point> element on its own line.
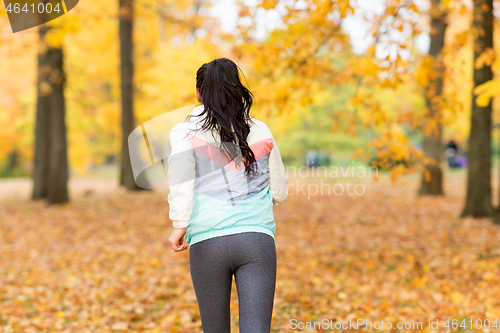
<point>451,153</point>
<point>451,144</point>
<point>312,159</point>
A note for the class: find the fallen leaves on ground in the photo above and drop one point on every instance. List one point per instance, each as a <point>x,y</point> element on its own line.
<point>101,263</point>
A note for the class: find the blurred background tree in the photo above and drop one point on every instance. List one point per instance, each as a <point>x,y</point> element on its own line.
<point>126,19</point>
<point>50,167</point>
<point>478,200</point>
<point>432,179</point>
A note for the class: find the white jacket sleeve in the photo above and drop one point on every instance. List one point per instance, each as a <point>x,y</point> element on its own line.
<point>181,176</point>
<point>278,179</point>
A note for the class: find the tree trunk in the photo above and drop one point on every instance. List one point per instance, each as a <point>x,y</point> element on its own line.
<point>496,211</point>
<point>58,163</point>
<point>127,90</point>
<point>41,160</point>
<point>50,174</point>
<point>432,178</point>
<point>478,200</point>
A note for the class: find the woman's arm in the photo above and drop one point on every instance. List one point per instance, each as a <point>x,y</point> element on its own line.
<point>278,179</point>
<point>181,176</point>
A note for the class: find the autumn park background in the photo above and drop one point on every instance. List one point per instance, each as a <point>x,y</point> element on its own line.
<point>83,249</point>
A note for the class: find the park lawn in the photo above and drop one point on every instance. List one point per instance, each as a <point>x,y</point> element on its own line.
<point>101,262</point>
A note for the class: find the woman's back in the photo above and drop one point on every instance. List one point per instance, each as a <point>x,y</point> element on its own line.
<point>212,191</point>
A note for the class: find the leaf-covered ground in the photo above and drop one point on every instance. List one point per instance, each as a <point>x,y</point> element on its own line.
<point>101,264</point>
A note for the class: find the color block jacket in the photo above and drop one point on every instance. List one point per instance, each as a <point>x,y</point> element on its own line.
<point>210,195</point>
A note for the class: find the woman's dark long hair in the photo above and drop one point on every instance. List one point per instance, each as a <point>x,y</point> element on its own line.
<point>227,105</point>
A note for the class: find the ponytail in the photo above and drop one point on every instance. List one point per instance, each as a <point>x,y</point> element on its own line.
<point>227,104</point>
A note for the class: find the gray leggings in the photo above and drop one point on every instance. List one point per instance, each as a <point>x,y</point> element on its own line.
<point>251,257</point>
